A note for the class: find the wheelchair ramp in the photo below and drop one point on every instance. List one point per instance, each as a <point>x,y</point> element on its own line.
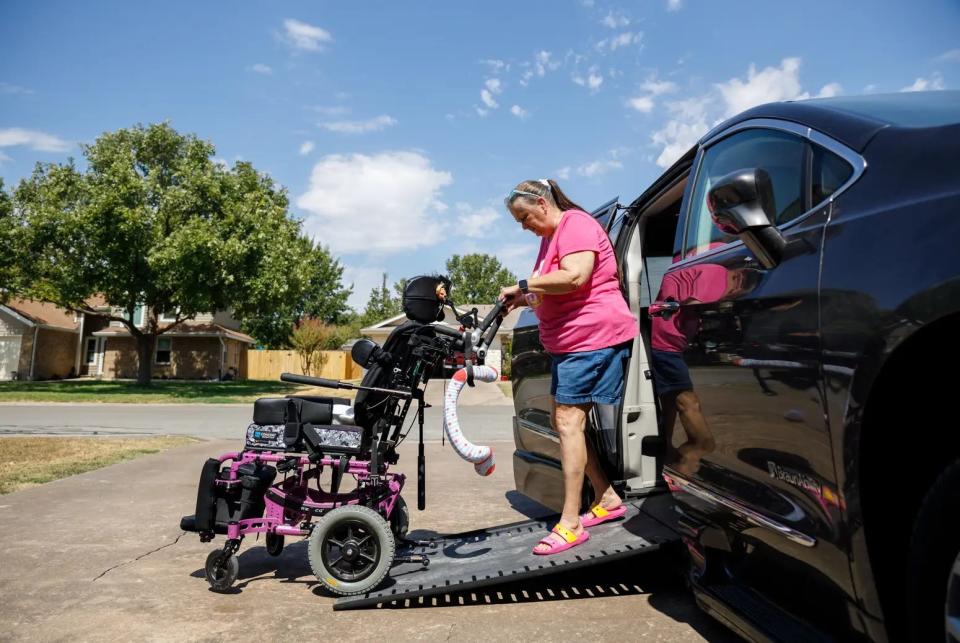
<point>503,554</point>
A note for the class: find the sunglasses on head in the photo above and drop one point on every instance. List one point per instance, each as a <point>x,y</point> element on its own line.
<point>515,193</point>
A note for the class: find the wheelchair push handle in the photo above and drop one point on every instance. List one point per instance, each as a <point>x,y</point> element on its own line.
<point>494,313</point>
<point>312,381</point>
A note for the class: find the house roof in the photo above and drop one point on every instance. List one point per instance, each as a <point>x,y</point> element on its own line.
<point>482,309</point>
<point>185,329</point>
<point>43,313</point>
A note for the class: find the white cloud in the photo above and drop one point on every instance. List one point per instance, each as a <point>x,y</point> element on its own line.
<point>657,87</point>
<point>596,168</point>
<point>544,62</point>
<point>39,141</point>
<point>7,88</point>
<point>519,112</point>
<point>593,81</point>
<point>624,39</point>
<point>475,223</point>
<point>935,82</point>
<point>869,89</point>
<point>768,85</point>
<point>482,112</point>
<point>951,56</point>
<point>496,65</point>
<point>364,279</point>
<point>492,86</point>
<point>303,36</point>
<point>641,104</point>
<point>337,110</point>
<point>260,68</point>
<point>374,204</point>
<point>654,88</point>
<point>615,21</point>
<point>306,147</point>
<point>488,99</point>
<point>564,173</point>
<point>830,90</point>
<point>674,5</point>
<point>360,127</point>
<point>4,158</point>
<point>518,257</point>
<point>688,124</point>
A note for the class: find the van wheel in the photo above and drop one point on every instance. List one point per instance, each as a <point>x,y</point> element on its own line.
<point>933,573</point>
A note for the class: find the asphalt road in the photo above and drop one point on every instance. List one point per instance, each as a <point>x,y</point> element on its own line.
<point>209,421</point>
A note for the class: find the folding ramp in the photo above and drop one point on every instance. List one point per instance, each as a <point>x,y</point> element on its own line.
<point>503,554</point>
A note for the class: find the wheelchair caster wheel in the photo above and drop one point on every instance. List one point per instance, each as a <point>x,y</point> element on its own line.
<point>221,570</point>
<point>274,544</point>
<point>351,550</point>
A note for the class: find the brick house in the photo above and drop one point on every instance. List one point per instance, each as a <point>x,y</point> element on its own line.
<point>41,341</point>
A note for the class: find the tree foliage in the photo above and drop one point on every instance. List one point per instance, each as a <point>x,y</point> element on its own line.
<point>153,220</point>
<point>477,278</point>
<point>310,338</point>
<point>383,303</point>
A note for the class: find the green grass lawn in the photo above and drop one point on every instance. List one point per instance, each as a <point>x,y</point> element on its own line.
<point>26,462</point>
<point>160,391</point>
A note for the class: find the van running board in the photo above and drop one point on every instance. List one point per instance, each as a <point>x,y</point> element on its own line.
<point>503,554</point>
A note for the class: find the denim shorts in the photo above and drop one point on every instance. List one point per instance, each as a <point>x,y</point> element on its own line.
<point>670,372</point>
<point>590,376</point>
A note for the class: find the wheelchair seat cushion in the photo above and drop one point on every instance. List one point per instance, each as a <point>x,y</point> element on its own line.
<point>333,438</point>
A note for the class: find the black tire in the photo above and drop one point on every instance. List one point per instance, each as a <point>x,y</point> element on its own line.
<point>934,549</point>
<point>400,520</point>
<point>274,544</point>
<point>351,550</point>
<point>220,573</point>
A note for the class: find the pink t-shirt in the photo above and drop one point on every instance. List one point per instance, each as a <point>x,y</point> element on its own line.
<point>594,316</point>
<point>705,283</point>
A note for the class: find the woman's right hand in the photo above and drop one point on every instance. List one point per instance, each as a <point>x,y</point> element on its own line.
<point>512,297</point>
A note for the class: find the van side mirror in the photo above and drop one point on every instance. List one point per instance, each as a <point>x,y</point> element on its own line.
<point>741,203</point>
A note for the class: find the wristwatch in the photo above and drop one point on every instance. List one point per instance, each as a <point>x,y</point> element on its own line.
<point>523,286</point>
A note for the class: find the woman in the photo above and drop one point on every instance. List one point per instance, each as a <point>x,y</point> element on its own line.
<point>587,328</point>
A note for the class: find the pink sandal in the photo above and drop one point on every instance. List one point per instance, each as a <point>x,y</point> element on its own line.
<point>570,539</point>
<point>598,514</point>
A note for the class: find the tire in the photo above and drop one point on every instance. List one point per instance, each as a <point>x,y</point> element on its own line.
<point>219,573</point>
<point>400,520</point>
<point>351,550</point>
<point>932,571</point>
<point>274,544</point>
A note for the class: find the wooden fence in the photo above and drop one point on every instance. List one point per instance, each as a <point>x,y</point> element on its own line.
<point>267,365</point>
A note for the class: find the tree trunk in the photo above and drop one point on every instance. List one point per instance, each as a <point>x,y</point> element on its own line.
<point>145,345</point>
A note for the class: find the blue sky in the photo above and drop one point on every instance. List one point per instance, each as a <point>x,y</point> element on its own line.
<point>398,127</point>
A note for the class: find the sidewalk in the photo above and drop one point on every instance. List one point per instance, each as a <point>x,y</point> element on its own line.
<point>100,556</point>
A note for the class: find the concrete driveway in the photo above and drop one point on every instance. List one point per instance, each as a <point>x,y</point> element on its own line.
<point>100,556</point>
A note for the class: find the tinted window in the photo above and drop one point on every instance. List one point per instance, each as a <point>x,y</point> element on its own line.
<point>780,154</point>
<point>830,172</point>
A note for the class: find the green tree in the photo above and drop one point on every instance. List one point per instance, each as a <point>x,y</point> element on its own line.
<point>322,296</point>
<point>477,278</point>
<point>310,338</point>
<point>381,304</point>
<point>9,263</point>
<point>154,221</point>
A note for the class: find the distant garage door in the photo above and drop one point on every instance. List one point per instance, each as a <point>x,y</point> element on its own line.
<point>9,355</point>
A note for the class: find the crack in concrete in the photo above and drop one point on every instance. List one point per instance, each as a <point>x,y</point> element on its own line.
<point>152,551</point>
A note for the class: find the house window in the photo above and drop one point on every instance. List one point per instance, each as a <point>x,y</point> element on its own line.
<point>137,315</point>
<point>91,351</point>
<point>168,316</point>
<point>164,346</point>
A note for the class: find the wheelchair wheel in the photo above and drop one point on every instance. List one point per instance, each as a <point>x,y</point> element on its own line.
<point>351,550</point>
<point>221,570</point>
<point>274,544</point>
<point>400,520</point>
